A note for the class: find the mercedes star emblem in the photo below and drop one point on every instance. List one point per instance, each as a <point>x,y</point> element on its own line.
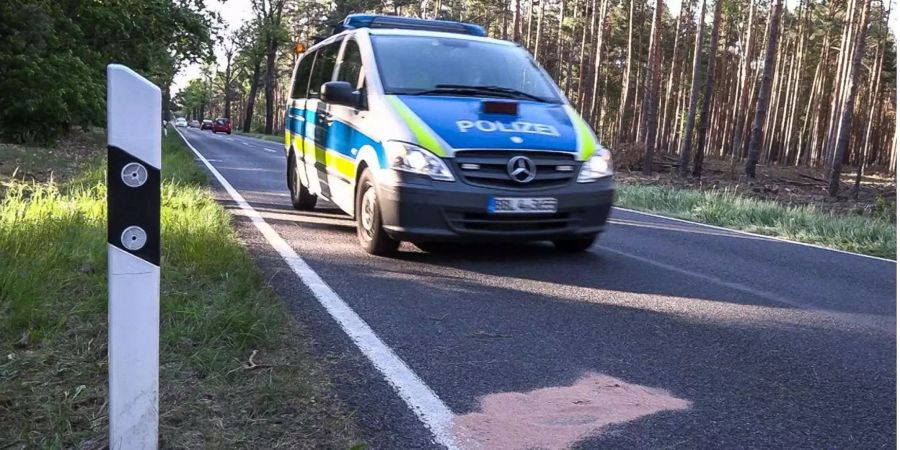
<point>521,169</point>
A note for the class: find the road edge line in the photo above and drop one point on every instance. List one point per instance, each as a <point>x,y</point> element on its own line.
<point>420,398</point>
<point>846,318</point>
<point>772,238</point>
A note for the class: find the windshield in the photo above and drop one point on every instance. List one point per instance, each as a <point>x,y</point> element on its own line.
<point>423,65</point>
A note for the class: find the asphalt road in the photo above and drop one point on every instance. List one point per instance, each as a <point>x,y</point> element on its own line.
<point>774,344</point>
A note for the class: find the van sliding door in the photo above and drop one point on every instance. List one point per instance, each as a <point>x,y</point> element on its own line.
<point>315,143</point>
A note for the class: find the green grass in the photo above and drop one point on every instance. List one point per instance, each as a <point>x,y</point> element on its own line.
<point>875,235</point>
<point>215,310</point>
<point>268,137</point>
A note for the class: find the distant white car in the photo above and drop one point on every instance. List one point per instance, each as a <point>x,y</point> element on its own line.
<point>180,122</point>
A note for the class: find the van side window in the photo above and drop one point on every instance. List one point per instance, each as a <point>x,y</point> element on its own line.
<point>351,64</point>
<point>301,82</point>
<point>326,57</point>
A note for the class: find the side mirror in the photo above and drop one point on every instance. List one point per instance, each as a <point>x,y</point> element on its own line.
<point>340,93</point>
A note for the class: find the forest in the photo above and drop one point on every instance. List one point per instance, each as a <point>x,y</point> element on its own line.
<point>801,83</point>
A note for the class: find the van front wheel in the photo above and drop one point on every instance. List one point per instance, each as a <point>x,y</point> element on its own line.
<point>301,199</point>
<point>369,228</point>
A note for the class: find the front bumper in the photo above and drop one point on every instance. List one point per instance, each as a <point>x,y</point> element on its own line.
<point>424,210</point>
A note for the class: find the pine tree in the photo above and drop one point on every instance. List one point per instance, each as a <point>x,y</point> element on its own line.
<point>765,91</point>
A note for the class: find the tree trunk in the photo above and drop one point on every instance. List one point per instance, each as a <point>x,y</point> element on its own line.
<point>251,97</point>
<point>637,119</point>
<point>774,101</point>
<point>623,99</point>
<point>896,143</point>
<point>843,133</point>
<point>673,68</point>
<point>569,81</point>
<point>517,18</point>
<point>795,90</point>
<point>585,94</point>
<point>688,133</point>
<point>765,92</point>
<point>558,67</point>
<point>270,88</point>
<point>737,138</point>
<point>540,31</point>
<point>707,91</point>
<point>530,17</point>
<point>228,82</point>
<point>505,20</point>
<point>581,74</point>
<point>166,99</point>
<point>813,120</point>
<point>598,52</point>
<point>650,91</point>
<point>839,86</point>
<point>874,91</point>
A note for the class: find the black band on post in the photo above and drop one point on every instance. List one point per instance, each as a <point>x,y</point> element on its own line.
<point>133,205</point>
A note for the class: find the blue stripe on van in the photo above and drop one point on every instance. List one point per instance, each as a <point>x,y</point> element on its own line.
<point>342,139</point>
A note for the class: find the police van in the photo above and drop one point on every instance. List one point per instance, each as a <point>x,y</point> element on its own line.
<point>428,131</point>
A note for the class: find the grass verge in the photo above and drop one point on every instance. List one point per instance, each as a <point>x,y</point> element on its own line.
<point>215,311</point>
<point>267,137</point>
<point>876,236</point>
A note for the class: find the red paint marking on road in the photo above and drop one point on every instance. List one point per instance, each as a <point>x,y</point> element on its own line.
<point>558,417</point>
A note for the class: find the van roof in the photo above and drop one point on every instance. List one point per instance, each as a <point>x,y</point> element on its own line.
<point>404,32</point>
<point>375,21</point>
<point>399,32</point>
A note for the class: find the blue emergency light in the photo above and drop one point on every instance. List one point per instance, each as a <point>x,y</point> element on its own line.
<point>354,21</point>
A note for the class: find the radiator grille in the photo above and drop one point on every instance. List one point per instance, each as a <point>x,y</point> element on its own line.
<point>488,168</point>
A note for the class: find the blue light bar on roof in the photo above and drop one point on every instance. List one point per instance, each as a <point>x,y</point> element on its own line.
<point>354,21</point>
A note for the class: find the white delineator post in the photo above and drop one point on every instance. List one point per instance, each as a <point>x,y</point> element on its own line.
<point>133,113</point>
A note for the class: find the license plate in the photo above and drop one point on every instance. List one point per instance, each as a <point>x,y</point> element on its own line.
<point>518,205</point>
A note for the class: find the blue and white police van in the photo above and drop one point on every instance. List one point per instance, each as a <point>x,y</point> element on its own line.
<point>429,131</point>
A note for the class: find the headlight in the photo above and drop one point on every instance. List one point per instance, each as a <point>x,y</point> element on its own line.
<point>598,166</point>
<point>414,159</point>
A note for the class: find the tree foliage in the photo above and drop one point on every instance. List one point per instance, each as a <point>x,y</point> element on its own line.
<point>53,56</point>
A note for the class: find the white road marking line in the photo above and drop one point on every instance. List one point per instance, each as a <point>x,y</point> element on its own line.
<point>771,296</point>
<point>250,169</point>
<point>764,237</point>
<point>268,150</point>
<point>678,228</point>
<point>430,409</point>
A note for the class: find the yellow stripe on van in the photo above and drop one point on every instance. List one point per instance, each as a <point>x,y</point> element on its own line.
<point>587,144</point>
<point>424,135</point>
<point>339,163</point>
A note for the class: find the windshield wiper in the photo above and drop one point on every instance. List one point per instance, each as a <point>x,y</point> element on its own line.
<point>465,89</point>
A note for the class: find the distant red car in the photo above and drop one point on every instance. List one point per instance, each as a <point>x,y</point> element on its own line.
<point>222,125</point>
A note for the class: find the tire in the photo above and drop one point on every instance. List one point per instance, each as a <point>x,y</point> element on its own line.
<point>369,229</point>
<point>301,199</point>
<point>574,245</point>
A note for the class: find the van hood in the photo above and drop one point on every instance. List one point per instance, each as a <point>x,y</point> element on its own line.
<point>461,124</point>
